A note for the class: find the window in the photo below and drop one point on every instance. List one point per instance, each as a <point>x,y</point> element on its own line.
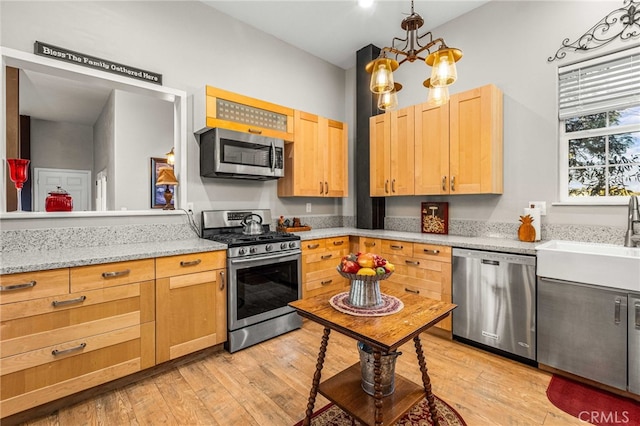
<point>599,111</point>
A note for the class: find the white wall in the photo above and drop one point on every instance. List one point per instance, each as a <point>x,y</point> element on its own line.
<point>104,147</point>
<point>507,43</point>
<point>191,45</point>
<point>57,145</point>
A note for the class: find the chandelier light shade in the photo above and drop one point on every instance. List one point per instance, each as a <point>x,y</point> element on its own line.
<point>389,101</point>
<point>410,49</point>
<point>437,95</point>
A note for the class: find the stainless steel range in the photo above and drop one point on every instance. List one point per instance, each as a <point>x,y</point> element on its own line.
<point>264,275</point>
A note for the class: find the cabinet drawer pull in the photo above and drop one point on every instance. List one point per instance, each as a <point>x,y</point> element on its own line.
<point>428,251</point>
<point>444,183</point>
<point>56,352</point>
<point>338,243</point>
<point>313,246</point>
<point>255,131</point>
<point>326,256</point>
<point>57,303</point>
<point>393,185</point>
<point>326,187</point>
<point>397,247</point>
<point>453,183</point>
<point>616,312</point>
<point>408,290</point>
<point>115,273</point>
<point>368,244</point>
<point>17,286</point>
<point>222,280</point>
<point>411,262</point>
<point>386,186</point>
<point>190,262</point>
<point>326,282</point>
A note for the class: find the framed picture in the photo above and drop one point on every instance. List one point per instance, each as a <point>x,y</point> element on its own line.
<point>157,192</point>
<point>435,218</point>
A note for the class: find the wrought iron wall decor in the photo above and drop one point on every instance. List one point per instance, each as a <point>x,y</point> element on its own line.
<point>623,23</point>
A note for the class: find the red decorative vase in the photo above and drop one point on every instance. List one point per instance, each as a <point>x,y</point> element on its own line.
<point>59,201</point>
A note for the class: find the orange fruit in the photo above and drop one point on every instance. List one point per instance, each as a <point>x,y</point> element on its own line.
<point>366,260</point>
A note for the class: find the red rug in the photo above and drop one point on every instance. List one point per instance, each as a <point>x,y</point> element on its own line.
<point>331,415</point>
<point>592,405</point>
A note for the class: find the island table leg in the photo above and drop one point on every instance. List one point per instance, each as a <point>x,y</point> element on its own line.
<point>316,377</point>
<point>426,381</point>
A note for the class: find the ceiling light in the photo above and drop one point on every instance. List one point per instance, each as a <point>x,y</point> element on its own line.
<point>437,95</point>
<point>365,3</point>
<point>409,49</point>
<point>389,101</point>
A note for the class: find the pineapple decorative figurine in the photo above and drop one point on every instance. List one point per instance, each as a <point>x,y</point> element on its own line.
<point>526,232</point>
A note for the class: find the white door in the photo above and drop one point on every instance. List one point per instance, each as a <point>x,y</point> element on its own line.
<point>75,182</point>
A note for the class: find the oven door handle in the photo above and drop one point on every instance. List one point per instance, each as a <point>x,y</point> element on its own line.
<point>289,256</point>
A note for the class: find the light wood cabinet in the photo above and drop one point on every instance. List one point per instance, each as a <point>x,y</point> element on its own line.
<point>67,330</point>
<point>191,300</point>
<point>422,269</point>
<point>459,145</point>
<point>320,259</point>
<point>392,137</point>
<point>215,107</point>
<point>316,163</point>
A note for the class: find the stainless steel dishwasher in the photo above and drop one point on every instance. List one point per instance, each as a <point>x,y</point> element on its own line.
<point>496,298</point>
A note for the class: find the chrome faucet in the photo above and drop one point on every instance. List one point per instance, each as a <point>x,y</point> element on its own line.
<point>632,238</point>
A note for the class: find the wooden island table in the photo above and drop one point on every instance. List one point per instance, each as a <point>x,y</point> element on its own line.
<point>384,334</point>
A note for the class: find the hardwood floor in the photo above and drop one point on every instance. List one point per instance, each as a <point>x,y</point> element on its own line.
<point>268,384</point>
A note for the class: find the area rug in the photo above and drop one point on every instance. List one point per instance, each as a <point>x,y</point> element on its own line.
<point>592,405</point>
<point>331,415</point>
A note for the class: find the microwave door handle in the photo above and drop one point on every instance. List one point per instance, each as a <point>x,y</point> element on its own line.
<point>272,157</point>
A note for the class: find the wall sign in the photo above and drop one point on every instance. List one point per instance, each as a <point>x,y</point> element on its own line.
<point>70,56</point>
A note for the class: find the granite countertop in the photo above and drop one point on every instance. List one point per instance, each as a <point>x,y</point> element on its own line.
<point>480,243</point>
<point>18,261</point>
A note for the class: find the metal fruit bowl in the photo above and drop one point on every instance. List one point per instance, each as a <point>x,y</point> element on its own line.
<point>365,278</point>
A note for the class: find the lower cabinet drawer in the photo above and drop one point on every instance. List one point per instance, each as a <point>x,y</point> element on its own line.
<point>33,285</point>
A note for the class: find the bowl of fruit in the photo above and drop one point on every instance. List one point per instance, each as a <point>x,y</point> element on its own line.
<point>365,271</point>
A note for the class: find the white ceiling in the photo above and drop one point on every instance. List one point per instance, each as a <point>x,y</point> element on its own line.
<point>334,30</point>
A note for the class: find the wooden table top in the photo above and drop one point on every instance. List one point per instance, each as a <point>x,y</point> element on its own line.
<point>384,332</point>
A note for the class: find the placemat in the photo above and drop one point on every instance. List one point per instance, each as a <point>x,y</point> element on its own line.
<point>390,305</point>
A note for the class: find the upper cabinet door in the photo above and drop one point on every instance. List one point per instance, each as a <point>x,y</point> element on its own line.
<point>402,151</point>
<point>308,155</point>
<point>432,149</point>
<point>379,153</point>
<point>476,141</point>
<point>336,166</point>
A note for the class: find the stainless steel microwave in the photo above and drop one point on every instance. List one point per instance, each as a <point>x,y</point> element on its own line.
<point>230,154</point>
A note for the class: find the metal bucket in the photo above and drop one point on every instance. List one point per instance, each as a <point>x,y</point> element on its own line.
<point>365,294</point>
<point>387,370</point>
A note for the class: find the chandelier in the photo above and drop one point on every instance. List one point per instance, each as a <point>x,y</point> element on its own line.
<point>443,63</point>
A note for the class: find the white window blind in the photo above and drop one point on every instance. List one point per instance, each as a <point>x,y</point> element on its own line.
<point>603,84</point>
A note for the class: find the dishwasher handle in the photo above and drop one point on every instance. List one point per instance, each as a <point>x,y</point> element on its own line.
<point>490,262</point>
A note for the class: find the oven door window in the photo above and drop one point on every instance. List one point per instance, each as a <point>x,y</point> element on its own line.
<point>262,291</point>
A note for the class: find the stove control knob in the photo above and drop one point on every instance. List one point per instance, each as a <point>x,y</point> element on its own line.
<point>268,247</point>
<point>283,246</point>
<point>253,250</point>
<point>242,251</point>
<point>292,244</point>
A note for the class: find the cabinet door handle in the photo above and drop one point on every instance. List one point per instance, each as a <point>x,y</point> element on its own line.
<point>190,262</point>
<point>326,256</point>
<point>637,309</point>
<point>386,186</point>
<point>408,290</point>
<point>368,244</point>
<point>412,262</point>
<point>17,286</point>
<point>395,247</point>
<point>616,313</point>
<point>434,252</point>
<point>453,183</point>
<point>321,188</point>
<point>326,282</point>
<point>313,246</point>
<point>115,273</point>
<point>57,303</point>
<point>222,280</point>
<point>338,243</point>
<point>56,352</point>
<point>444,183</point>
<point>393,185</point>
<point>326,187</point>
<point>255,131</point>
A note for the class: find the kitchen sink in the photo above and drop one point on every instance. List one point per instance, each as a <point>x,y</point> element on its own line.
<point>605,265</point>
